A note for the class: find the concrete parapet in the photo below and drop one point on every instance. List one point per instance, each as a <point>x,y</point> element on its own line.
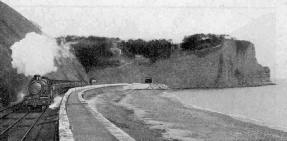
<point>65,132</point>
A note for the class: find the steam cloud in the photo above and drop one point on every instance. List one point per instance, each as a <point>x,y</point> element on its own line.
<point>35,54</point>
<point>20,98</point>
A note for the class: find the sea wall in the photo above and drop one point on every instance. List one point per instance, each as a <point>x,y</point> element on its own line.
<point>231,64</point>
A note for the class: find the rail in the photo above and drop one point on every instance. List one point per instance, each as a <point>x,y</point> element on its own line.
<point>29,130</point>
<point>28,125</point>
<point>11,126</point>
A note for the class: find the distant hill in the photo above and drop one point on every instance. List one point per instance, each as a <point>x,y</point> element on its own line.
<point>13,28</point>
<point>262,33</point>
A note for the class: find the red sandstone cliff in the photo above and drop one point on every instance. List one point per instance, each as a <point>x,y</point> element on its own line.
<point>232,64</point>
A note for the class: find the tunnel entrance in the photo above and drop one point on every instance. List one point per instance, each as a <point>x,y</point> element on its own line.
<point>148,80</point>
<point>93,81</point>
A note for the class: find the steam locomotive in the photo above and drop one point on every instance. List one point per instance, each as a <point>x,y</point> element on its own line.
<point>42,90</point>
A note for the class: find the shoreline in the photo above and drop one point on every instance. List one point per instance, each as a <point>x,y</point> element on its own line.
<point>141,107</point>
<point>214,88</point>
<point>237,117</point>
<point>243,119</point>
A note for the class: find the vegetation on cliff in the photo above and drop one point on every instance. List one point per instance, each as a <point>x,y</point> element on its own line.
<point>202,41</point>
<point>95,52</point>
<point>153,49</point>
<point>92,51</point>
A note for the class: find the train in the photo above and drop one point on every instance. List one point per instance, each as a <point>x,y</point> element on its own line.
<point>42,90</point>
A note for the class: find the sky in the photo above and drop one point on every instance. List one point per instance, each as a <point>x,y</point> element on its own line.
<point>169,19</point>
<point>146,19</point>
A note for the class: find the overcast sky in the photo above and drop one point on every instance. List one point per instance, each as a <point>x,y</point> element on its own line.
<point>146,19</point>
<point>170,19</point>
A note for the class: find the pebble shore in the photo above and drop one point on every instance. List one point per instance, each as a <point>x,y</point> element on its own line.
<point>149,115</point>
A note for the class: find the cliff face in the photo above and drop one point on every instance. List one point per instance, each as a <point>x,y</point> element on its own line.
<point>232,64</point>
<point>263,27</point>
<point>13,28</point>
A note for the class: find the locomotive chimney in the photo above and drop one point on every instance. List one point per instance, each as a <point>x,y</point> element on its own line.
<point>37,77</point>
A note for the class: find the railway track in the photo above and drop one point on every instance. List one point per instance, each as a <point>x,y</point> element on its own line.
<point>24,125</point>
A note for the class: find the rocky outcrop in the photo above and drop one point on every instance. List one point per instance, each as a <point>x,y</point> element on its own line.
<point>262,32</point>
<point>231,64</point>
<point>13,28</point>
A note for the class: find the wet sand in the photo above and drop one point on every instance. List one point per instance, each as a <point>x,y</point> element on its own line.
<point>150,115</point>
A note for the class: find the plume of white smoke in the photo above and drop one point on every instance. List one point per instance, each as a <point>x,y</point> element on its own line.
<point>20,98</point>
<point>56,102</point>
<point>35,54</point>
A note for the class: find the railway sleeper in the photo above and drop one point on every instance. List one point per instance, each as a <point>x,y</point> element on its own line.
<point>18,118</point>
<point>22,126</point>
<point>48,122</point>
<point>6,118</point>
<point>17,126</point>
<point>5,126</point>
<point>5,115</point>
<point>30,118</point>
<point>50,115</point>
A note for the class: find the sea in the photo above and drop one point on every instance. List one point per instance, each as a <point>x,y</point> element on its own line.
<point>264,105</point>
